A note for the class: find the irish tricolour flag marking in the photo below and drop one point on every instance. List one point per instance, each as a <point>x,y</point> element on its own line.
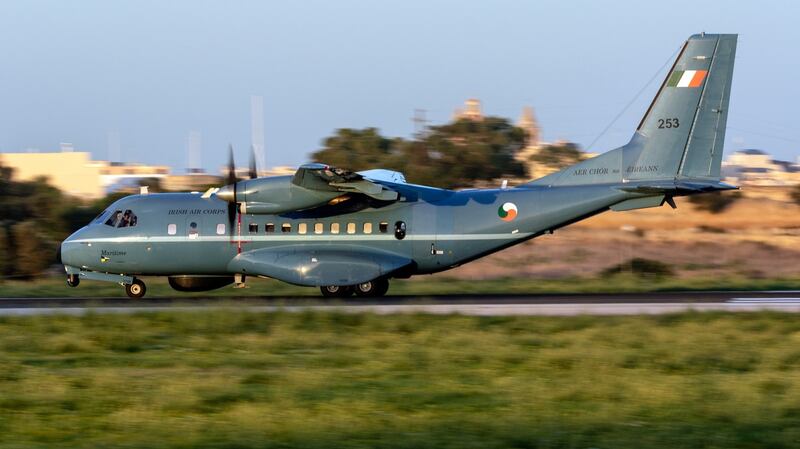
<point>507,212</point>
<point>687,78</point>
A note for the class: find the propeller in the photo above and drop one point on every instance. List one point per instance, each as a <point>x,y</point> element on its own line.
<point>253,172</point>
<point>233,206</point>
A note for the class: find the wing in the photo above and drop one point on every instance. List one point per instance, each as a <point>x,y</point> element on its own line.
<point>317,265</point>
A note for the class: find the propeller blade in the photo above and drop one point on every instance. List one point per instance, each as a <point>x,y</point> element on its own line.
<point>253,170</point>
<point>233,207</point>
<point>231,166</point>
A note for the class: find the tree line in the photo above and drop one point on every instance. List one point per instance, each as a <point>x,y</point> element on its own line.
<point>457,154</point>
<point>34,218</point>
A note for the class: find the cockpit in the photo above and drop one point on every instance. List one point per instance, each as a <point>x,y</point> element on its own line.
<point>117,218</point>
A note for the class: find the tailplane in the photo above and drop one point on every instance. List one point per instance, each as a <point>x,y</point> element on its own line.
<point>681,135</point>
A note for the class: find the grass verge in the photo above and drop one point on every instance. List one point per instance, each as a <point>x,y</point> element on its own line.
<point>235,379</point>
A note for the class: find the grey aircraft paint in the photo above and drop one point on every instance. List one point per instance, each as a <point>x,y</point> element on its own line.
<point>349,229</point>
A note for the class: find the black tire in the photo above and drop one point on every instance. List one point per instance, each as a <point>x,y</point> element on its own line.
<point>336,291</point>
<point>73,280</point>
<point>135,290</point>
<point>375,287</point>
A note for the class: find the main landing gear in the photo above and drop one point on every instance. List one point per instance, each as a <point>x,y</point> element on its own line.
<point>373,288</point>
<point>136,290</point>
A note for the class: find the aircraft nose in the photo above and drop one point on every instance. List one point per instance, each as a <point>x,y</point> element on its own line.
<point>66,252</point>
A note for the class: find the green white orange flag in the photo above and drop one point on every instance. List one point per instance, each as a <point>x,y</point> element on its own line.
<point>687,78</point>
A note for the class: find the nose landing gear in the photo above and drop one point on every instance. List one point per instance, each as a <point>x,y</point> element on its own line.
<point>73,280</point>
<point>136,290</point>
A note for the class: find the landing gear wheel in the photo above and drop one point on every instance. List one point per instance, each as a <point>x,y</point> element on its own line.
<point>375,287</point>
<point>336,291</point>
<point>73,280</point>
<point>135,290</point>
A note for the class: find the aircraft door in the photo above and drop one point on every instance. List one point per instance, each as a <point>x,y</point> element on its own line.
<point>430,221</point>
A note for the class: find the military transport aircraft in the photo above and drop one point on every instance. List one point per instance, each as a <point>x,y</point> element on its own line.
<point>349,232</point>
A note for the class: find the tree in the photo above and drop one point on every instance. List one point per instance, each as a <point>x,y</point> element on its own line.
<point>558,155</point>
<point>467,150</point>
<point>34,250</point>
<point>356,149</point>
<point>5,254</point>
<point>453,155</point>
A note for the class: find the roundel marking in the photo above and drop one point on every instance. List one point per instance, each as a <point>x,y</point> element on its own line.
<point>507,212</point>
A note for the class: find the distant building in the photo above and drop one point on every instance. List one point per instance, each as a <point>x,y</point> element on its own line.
<point>72,172</point>
<point>470,111</point>
<point>195,180</point>
<point>756,167</point>
<point>117,175</point>
<point>76,174</point>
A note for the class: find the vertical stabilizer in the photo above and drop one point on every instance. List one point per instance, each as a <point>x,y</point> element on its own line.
<point>682,133</point>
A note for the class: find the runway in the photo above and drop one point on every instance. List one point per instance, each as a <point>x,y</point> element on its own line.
<point>482,305</point>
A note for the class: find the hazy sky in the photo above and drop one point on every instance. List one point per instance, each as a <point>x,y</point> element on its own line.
<point>149,72</point>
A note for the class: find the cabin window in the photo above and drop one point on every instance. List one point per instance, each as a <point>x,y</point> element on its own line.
<point>318,228</point>
<point>400,230</point>
<point>286,227</point>
<point>383,227</point>
<point>172,229</point>
<point>253,228</point>
<point>367,228</point>
<point>269,227</point>
<point>220,228</point>
<point>351,228</point>
<point>334,228</point>
<point>114,219</point>
<point>302,228</point>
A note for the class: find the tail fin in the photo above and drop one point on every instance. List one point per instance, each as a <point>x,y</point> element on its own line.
<point>682,133</point>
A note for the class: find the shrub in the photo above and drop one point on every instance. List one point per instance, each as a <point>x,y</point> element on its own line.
<point>795,194</point>
<point>714,202</point>
<point>641,267</point>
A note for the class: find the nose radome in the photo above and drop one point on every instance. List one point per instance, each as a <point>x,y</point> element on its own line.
<point>66,252</point>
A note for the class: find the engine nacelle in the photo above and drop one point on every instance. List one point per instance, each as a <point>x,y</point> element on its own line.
<point>199,283</point>
<point>313,185</point>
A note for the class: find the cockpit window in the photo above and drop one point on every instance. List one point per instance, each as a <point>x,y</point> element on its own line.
<point>120,219</point>
<point>103,216</point>
<point>114,219</point>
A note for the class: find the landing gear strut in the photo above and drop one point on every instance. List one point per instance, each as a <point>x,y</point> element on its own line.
<point>336,291</point>
<point>73,280</point>
<point>135,290</point>
<point>375,287</point>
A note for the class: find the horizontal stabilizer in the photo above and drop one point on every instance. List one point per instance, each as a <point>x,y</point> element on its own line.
<point>677,187</point>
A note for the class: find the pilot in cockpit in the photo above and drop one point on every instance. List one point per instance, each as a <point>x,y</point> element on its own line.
<point>126,220</point>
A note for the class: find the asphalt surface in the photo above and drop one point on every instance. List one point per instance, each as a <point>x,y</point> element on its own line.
<point>569,304</point>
